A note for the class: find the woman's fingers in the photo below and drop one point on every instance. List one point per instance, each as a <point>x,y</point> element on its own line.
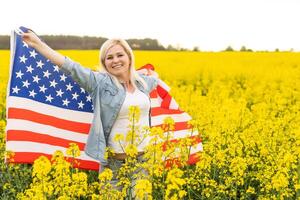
<point>31,38</point>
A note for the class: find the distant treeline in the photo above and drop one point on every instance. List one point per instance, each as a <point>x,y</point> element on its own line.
<point>87,42</point>
<point>76,42</point>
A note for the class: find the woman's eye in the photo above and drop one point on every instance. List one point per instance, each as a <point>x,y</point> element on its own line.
<point>120,55</point>
<point>109,58</point>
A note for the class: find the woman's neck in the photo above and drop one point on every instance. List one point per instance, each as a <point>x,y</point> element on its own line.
<point>128,86</point>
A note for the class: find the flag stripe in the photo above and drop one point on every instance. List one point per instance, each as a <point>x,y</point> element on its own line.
<point>15,135</point>
<point>193,158</point>
<point>159,111</point>
<point>161,91</point>
<point>25,146</point>
<point>163,86</point>
<point>153,94</point>
<point>17,113</point>
<point>177,126</point>
<point>67,114</point>
<point>158,119</point>
<point>30,157</point>
<point>18,124</point>
<point>167,101</point>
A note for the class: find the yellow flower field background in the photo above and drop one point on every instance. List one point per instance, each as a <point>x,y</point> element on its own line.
<point>245,106</point>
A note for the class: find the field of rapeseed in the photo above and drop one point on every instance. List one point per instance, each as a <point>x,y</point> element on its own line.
<point>245,107</point>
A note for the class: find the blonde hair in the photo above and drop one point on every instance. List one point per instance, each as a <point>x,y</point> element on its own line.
<point>134,76</point>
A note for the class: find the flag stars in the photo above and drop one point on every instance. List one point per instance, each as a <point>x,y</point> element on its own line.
<point>56,68</point>
<point>75,95</point>
<point>36,79</point>
<point>23,59</point>
<point>88,98</point>
<point>59,93</point>
<point>32,93</point>
<point>63,77</point>
<point>66,102</point>
<point>33,53</point>
<point>80,104</point>
<point>15,90</point>
<point>29,69</point>
<point>25,83</point>
<point>42,88</point>
<point>69,86</point>
<point>40,64</point>
<point>25,44</point>
<point>46,74</point>
<point>82,90</point>
<point>53,83</point>
<point>19,74</point>
<point>49,98</point>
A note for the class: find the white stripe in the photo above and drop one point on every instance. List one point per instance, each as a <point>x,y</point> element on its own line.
<point>197,148</point>
<point>28,104</point>
<point>181,134</point>
<point>159,119</point>
<point>163,85</point>
<point>18,124</point>
<point>173,104</point>
<point>34,147</point>
<point>155,102</point>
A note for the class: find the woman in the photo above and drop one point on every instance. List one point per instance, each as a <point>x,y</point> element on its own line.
<point>112,92</point>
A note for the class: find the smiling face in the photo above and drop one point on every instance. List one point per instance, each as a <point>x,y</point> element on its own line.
<point>117,62</point>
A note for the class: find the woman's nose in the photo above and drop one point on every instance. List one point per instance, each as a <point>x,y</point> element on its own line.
<point>115,59</point>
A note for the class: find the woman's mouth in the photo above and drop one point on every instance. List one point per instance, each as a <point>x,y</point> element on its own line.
<point>117,66</point>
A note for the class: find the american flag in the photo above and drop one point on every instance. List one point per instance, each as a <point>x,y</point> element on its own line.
<point>47,110</point>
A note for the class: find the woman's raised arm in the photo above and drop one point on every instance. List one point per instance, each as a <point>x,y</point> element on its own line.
<point>34,41</point>
<point>85,77</point>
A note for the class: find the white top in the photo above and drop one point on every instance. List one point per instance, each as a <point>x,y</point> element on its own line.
<point>121,125</point>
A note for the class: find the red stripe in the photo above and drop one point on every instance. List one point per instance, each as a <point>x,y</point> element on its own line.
<point>17,113</point>
<point>161,91</point>
<point>166,97</point>
<point>195,140</point>
<point>193,159</point>
<point>155,111</point>
<point>177,126</point>
<point>153,94</point>
<point>166,101</point>
<point>30,157</point>
<point>20,135</point>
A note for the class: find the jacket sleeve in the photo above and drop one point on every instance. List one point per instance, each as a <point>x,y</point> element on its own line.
<point>151,82</point>
<point>85,77</point>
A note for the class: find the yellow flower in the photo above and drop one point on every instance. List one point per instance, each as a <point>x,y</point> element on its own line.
<point>9,156</point>
<point>250,190</point>
<point>143,189</point>
<point>175,182</point>
<point>134,114</point>
<point>41,167</point>
<point>119,137</point>
<point>73,150</point>
<point>106,175</point>
<point>131,150</point>
<point>168,124</point>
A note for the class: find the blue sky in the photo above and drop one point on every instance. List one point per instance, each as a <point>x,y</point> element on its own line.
<point>212,25</point>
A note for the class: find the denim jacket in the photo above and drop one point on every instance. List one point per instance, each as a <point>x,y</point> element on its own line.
<point>107,101</point>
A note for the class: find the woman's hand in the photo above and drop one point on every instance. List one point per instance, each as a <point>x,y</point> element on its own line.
<point>34,41</point>
<point>148,72</point>
<point>31,39</point>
